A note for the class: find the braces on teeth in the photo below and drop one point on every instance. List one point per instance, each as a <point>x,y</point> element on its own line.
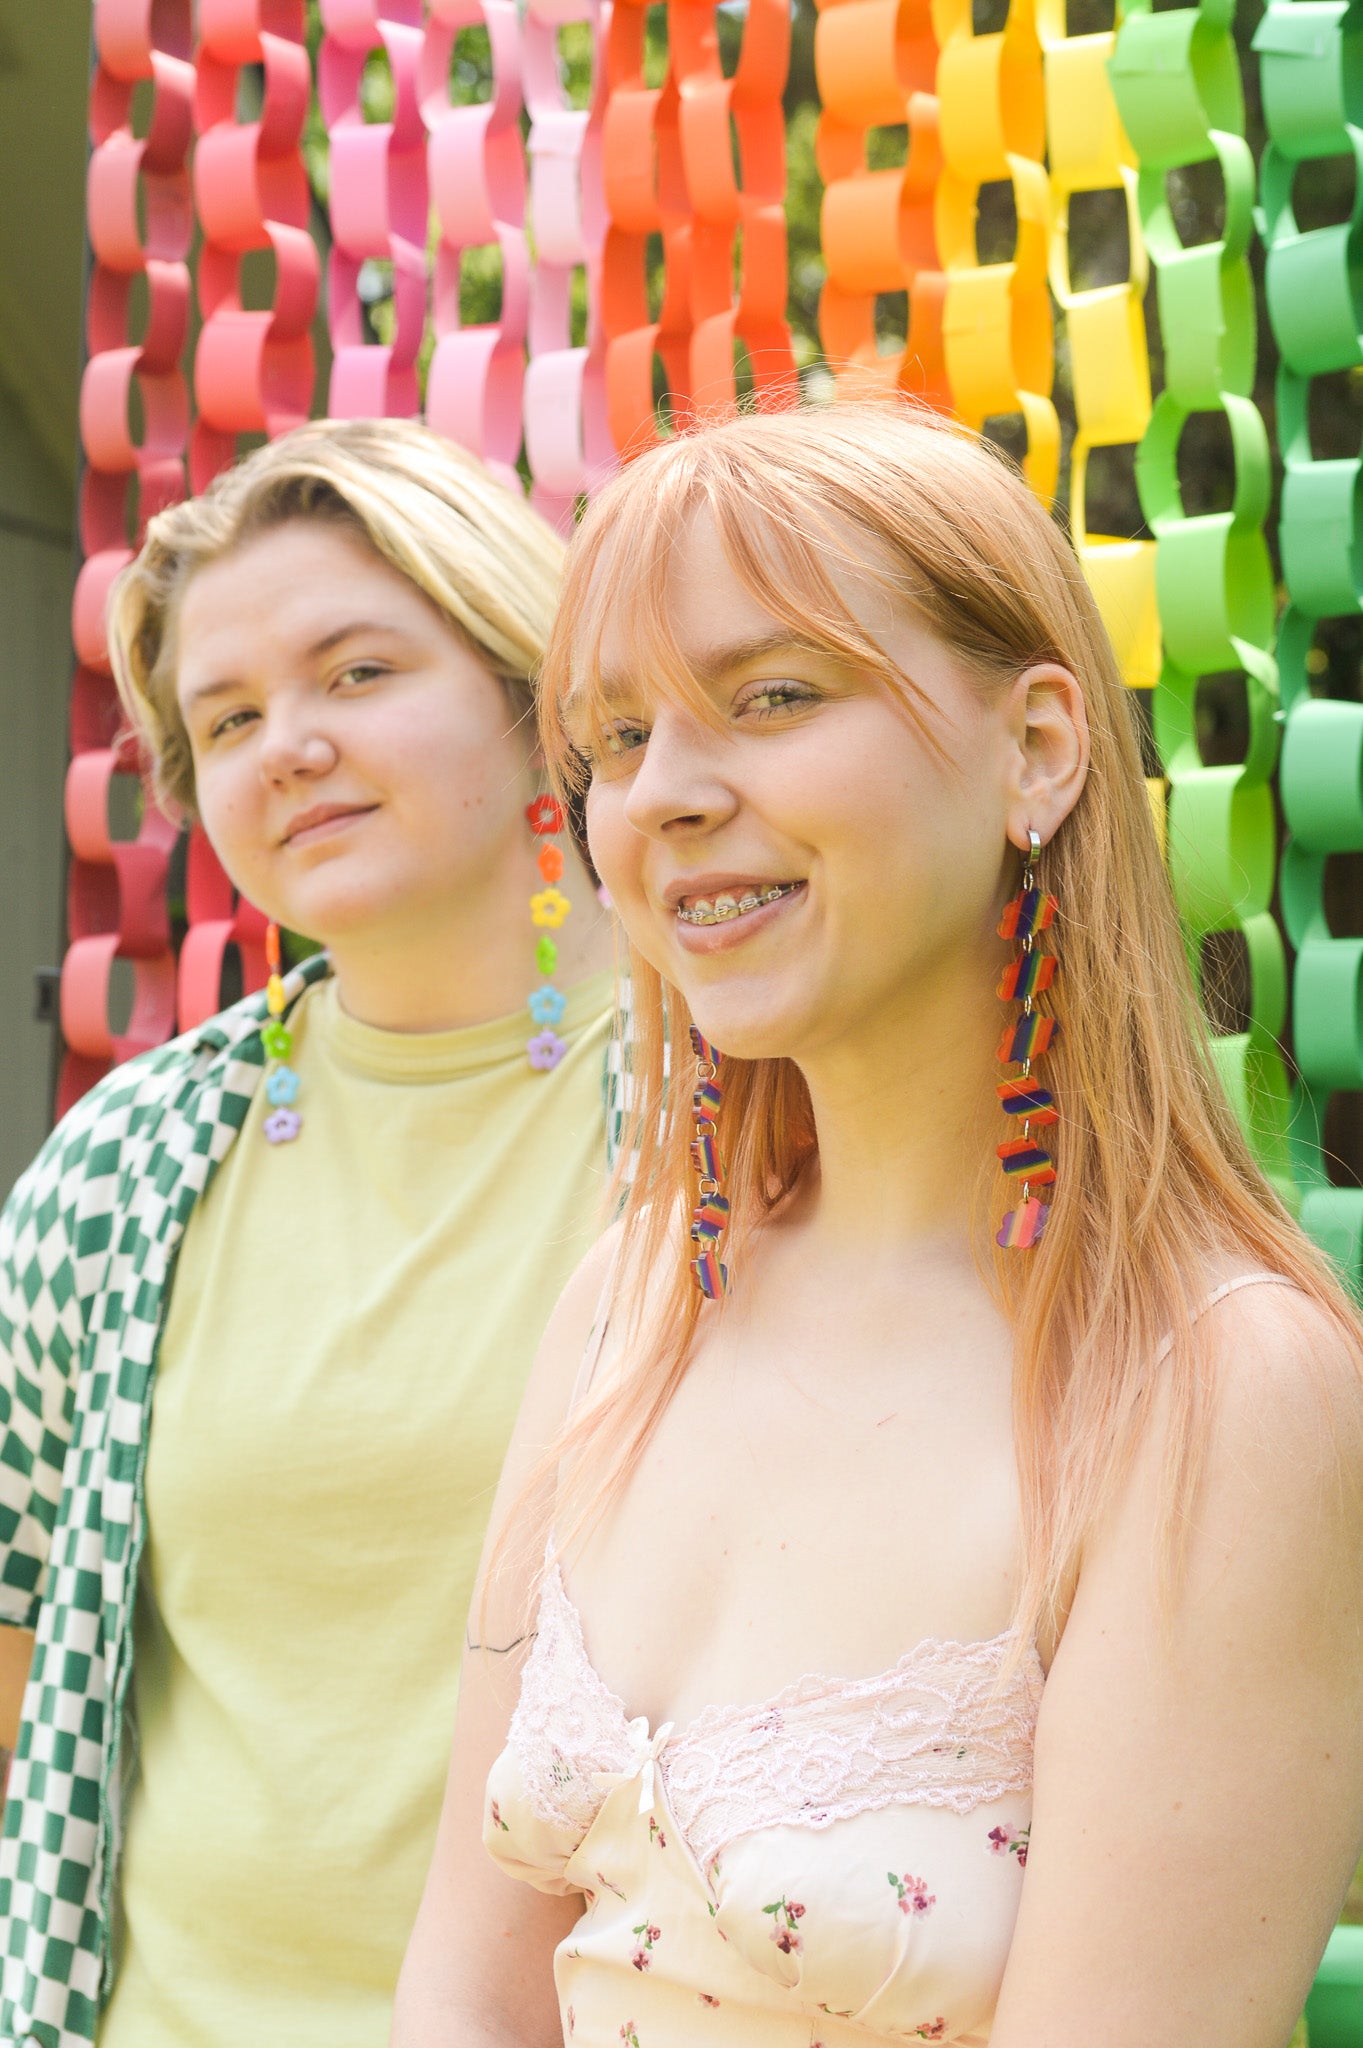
<point>724,907</point>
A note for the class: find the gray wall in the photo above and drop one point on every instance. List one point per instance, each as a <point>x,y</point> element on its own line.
<point>35,672</point>
<point>44,69</point>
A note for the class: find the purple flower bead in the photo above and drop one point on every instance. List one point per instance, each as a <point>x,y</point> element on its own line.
<point>283,1125</point>
<point>546,1049</point>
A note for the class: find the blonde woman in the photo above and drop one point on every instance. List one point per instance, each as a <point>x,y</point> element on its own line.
<point>269,1296</point>
<point>1052,1474</point>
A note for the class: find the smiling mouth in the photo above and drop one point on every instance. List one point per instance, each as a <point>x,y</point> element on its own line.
<point>727,906</point>
<point>319,821</point>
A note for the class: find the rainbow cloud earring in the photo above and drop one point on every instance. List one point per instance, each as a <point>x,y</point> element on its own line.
<point>711,1214</point>
<point>281,1082</point>
<point>548,908</point>
<point>1027,1039</point>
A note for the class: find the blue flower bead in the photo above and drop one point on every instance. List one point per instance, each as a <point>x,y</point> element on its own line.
<point>281,1087</point>
<point>547,1005</point>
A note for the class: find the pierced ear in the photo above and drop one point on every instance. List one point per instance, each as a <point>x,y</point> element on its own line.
<point>1050,726</point>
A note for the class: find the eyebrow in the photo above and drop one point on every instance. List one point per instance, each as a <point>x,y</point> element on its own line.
<point>714,663</point>
<point>350,630</point>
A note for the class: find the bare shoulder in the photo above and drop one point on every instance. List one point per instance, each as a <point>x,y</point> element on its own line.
<point>1287,1379</point>
<point>1275,1518</point>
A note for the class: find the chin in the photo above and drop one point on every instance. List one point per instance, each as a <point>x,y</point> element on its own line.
<point>755,1030</point>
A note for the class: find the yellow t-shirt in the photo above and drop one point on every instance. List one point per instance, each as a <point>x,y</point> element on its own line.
<point>351,1324</point>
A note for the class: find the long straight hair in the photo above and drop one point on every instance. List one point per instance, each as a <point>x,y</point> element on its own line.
<point>1157,1186</point>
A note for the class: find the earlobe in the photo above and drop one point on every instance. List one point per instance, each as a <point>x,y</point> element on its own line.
<point>1051,758</point>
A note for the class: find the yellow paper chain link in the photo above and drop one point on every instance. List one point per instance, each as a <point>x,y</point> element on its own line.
<point>997,327</point>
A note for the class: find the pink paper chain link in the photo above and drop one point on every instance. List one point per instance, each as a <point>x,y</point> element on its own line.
<point>478,185</point>
<point>379,204</point>
<point>567,436</point>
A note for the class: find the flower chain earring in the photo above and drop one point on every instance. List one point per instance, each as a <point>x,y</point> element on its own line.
<point>281,1082</point>
<point>548,908</point>
<point>711,1214</point>
<point>1025,1040</point>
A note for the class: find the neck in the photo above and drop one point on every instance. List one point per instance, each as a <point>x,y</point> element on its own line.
<point>453,962</point>
<point>907,1116</point>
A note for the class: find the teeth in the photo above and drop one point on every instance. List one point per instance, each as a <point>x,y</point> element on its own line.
<point>725,906</point>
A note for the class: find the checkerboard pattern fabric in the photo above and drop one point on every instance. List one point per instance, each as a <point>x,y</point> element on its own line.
<point>88,1242</point>
<point>87,1246</point>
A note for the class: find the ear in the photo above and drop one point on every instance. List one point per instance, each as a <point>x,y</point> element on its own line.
<point>1049,727</point>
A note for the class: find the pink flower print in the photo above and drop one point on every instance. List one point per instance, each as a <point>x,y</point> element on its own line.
<point>655,1833</point>
<point>644,1937</point>
<point>784,1913</point>
<point>628,2035</point>
<point>571,2018</point>
<point>706,1998</point>
<point>914,1896</point>
<point>931,2030</point>
<point>497,1820</point>
<point>1006,1841</point>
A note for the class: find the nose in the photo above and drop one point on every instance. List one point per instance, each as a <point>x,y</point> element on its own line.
<point>680,786</point>
<point>293,745</point>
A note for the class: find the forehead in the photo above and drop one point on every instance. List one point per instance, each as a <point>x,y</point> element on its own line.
<point>702,613</point>
<point>281,591</point>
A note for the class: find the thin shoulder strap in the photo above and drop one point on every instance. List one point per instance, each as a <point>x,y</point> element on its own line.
<point>596,1337</point>
<point>1219,1294</point>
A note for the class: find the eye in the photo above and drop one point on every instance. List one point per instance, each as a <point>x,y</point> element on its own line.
<point>612,746</point>
<point>231,722</point>
<point>360,672</point>
<point>770,698</point>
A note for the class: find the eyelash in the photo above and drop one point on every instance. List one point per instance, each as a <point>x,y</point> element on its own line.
<point>786,693</point>
<point>366,669</point>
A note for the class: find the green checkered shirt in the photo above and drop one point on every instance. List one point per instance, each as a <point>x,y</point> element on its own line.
<point>88,1243</point>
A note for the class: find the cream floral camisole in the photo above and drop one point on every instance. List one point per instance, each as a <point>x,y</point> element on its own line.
<point>835,1866</point>
<point>842,1859</point>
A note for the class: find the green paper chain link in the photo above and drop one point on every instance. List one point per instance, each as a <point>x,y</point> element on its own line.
<point>1311,68</point>
<point>1176,78</point>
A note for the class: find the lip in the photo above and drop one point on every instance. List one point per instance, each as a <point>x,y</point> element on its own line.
<point>716,884</point>
<point>322,821</point>
<point>720,938</point>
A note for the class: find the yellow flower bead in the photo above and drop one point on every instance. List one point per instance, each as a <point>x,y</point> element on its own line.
<point>274,996</point>
<point>549,907</point>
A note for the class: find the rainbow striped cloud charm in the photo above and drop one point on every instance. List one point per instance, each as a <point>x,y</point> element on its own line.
<point>1026,1039</point>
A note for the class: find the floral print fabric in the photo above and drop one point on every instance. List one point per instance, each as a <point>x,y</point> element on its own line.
<point>882,1915</point>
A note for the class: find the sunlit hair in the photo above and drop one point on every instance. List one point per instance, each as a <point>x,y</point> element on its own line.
<point>1156,1186</point>
<point>488,563</point>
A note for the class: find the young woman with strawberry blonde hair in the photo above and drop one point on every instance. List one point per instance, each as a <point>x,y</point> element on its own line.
<point>988,1365</point>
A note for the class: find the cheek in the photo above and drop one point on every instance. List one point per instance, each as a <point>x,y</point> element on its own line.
<point>614,843</point>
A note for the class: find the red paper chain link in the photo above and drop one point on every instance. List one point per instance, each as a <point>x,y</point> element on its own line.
<point>116,889</point>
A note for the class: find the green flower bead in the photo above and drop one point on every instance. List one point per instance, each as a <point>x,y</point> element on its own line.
<point>277,1040</point>
<point>546,956</point>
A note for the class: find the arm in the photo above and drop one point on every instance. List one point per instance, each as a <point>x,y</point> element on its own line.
<point>479,1966</point>
<point>1199,1764</point>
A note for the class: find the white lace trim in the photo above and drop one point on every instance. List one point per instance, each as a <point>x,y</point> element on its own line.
<point>943,1728</point>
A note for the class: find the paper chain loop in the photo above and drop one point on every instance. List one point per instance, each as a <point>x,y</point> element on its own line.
<point>1176,81</point>
<point>116,889</point>
<point>697,160</point>
<point>1309,67</point>
<point>875,62</point>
